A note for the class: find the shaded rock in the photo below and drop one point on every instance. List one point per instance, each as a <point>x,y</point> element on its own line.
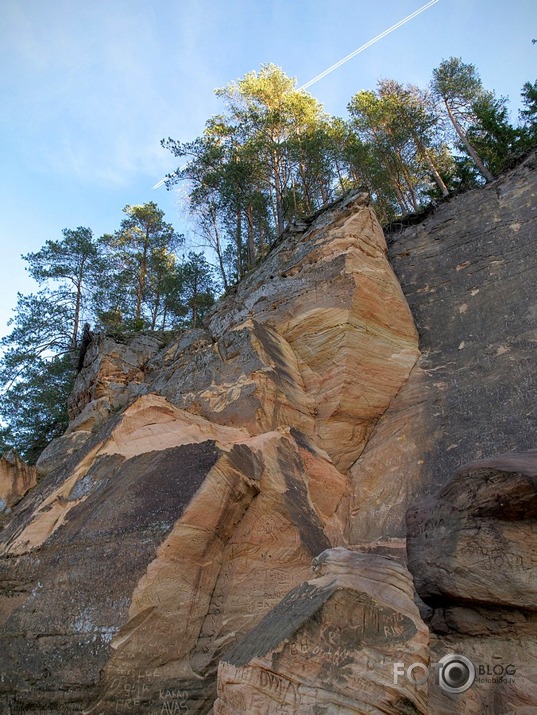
<point>477,541</point>
<point>319,337</point>
<point>332,295</point>
<point>61,449</point>
<point>249,378</point>
<point>506,674</point>
<point>469,272</point>
<point>200,476</point>
<point>472,552</point>
<point>331,644</point>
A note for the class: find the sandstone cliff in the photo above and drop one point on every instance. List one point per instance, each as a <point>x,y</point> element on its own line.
<point>343,381</point>
<point>16,478</point>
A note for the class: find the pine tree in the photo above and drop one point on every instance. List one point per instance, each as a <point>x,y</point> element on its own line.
<point>528,116</point>
<point>74,265</point>
<point>135,257</point>
<point>36,371</point>
<point>492,134</point>
<point>458,87</point>
<point>198,287</point>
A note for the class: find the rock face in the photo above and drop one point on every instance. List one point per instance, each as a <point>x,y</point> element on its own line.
<point>473,552</point>
<point>16,478</point>
<point>198,479</point>
<point>166,538</point>
<point>477,540</point>
<point>469,275</point>
<point>175,522</point>
<point>331,644</point>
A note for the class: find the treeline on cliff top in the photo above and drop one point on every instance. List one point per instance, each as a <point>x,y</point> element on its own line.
<point>273,155</point>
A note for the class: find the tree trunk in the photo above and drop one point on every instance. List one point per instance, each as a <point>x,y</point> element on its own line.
<point>218,249</point>
<point>469,148</point>
<point>339,176</point>
<point>238,240</point>
<point>76,319</point>
<point>400,198</point>
<point>408,179</point>
<point>251,238</point>
<point>261,239</point>
<point>155,312</point>
<point>279,196</point>
<point>78,304</point>
<point>195,299</point>
<point>324,192</point>
<point>305,186</point>
<point>142,276</point>
<point>434,171</point>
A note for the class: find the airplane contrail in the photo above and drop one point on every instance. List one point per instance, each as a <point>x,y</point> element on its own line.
<point>368,44</point>
<point>352,54</point>
<point>165,179</point>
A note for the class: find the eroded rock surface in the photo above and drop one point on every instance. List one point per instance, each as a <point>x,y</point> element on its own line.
<point>473,550</point>
<point>168,538</point>
<point>112,369</point>
<point>469,273</point>
<point>477,540</point>
<point>201,474</point>
<point>331,644</point>
<point>319,338</point>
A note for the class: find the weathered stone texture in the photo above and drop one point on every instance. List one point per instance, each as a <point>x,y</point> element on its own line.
<point>477,540</point>
<point>473,550</point>
<point>112,369</point>
<point>200,476</point>
<point>16,478</point>
<point>169,537</point>
<point>469,273</point>
<point>333,297</point>
<point>330,645</point>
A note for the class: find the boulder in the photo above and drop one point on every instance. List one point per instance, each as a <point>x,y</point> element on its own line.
<point>477,540</point>
<point>332,645</point>
<point>472,550</point>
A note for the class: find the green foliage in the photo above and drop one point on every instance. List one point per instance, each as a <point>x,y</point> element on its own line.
<point>272,155</point>
<point>74,264</point>
<point>262,162</point>
<point>197,286</point>
<point>37,372</point>
<point>138,257</point>
<point>528,116</point>
<point>35,408</point>
<point>124,280</point>
<point>493,137</point>
<point>458,84</point>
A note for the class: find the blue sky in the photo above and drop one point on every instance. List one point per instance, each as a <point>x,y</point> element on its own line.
<point>88,90</point>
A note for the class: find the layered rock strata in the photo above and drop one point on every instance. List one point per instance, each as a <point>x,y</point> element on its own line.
<point>16,478</point>
<point>198,479</point>
<point>201,473</point>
